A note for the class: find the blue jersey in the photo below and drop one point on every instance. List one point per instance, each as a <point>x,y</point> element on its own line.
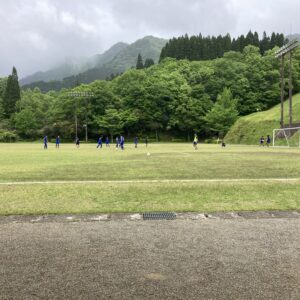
<point>45,140</point>
<point>57,141</point>
<point>100,141</point>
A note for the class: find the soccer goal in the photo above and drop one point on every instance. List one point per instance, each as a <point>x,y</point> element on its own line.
<point>286,137</point>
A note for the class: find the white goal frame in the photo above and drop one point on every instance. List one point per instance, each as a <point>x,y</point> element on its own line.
<point>286,137</point>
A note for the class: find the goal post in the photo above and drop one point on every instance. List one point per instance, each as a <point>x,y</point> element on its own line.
<point>286,137</point>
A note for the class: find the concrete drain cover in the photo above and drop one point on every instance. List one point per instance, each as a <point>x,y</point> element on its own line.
<point>159,216</point>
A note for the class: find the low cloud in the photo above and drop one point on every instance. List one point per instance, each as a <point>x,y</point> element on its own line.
<point>38,34</point>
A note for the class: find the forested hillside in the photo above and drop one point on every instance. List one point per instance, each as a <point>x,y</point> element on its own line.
<point>210,47</point>
<point>173,99</point>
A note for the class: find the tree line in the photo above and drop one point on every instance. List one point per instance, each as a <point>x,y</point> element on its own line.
<point>172,99</point>
<point>211,47</point>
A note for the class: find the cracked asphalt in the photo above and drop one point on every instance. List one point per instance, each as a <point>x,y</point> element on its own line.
<point>187,258</point>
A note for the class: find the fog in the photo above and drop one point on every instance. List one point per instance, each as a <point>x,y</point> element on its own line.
<point>38,34</point>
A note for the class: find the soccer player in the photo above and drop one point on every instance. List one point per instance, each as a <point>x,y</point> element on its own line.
<point>223,144</point>
<point>57,142</point>
<point>122,141</point>
<point>99,145</point>
<point>107,141</point>
<point>195,143</point>
<point>135,142</point>
<point>117,142</point>
<point>268,141</point>
<point>45,142</point>
<point>262,141</point>
<point>77,142</point>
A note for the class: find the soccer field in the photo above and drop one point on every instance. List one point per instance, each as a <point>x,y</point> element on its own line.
<point>174,177</point>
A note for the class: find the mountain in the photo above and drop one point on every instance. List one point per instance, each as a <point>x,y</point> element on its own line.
<point>117,59</point>
<point>248,129</point>
<point>74,66</point>
<point>148,47</point>
<point>107,56</point>
<point>295,36</point>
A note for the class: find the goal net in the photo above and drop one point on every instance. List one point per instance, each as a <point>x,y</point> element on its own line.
<point>286,137</point>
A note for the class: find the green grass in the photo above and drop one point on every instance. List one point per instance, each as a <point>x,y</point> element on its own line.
<point>30,163</point>
<point>248,129</point>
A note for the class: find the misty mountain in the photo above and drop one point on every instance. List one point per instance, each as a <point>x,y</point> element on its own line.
<point>74,66</point>
<point>117,59</point>
<point>295,36</point>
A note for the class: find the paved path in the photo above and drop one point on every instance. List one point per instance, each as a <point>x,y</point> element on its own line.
<point>123,259</point>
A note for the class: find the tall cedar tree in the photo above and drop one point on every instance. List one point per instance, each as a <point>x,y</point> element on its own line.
<point>148,63</point>
<point>11,94</point>
<point>206,48</point>
<point>139,63</point>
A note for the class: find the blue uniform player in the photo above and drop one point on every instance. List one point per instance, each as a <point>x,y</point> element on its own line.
<point>136,142</point>
<point>122,142</point>
<point>77,142</point>
<point>107,141</point>
<point>57,142</point>
<point>45,142</point>
<point>99,145</point>
<point>268,140</point>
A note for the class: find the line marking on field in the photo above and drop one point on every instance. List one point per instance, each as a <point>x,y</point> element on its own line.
<point>152,181</point>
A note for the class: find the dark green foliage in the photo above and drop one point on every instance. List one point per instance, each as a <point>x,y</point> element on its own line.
<point>148,63</point>
<point>139,63</point>
<point>223,114</point>
<point>2,89</point>
<point>205,48</point>
<point>11,94</point>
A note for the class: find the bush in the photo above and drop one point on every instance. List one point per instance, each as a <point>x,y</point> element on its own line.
<point>211,141</point>
<point>8,137</point>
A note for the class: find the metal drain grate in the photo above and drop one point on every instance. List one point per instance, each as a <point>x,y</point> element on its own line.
<point>159,216</point>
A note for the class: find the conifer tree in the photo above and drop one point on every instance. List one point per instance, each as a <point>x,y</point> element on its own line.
<point>139,63</point>
<point>148,63</point>
<point>12,93</point>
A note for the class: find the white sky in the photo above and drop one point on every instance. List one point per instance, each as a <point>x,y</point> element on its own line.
<point>38,34</point>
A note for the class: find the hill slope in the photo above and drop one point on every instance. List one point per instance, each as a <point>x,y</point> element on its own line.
<point>74,66</point>
<point>124,59</point>
<point>148,47</point>
<point>248,129</point>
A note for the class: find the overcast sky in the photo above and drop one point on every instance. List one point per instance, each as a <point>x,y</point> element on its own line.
<point>38,34</point>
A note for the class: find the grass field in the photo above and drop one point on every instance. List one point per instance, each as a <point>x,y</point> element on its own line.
<point>174,177</point>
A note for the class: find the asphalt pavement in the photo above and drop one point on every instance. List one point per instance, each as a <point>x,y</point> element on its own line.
<point>199,258</point>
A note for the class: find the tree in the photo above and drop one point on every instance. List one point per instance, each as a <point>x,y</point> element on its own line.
<point>12,94</point>
<point>148,63</point>
<point>25,123</point>
<point>223,114</point>
<point>114,121</point>
<point>2,89</point>
<point>139,63</point>
<point>1,109</point>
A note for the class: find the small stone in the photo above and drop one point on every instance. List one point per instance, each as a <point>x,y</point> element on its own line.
<point>199,217</point>
<point>100,218</point>
<point>136,217</point>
